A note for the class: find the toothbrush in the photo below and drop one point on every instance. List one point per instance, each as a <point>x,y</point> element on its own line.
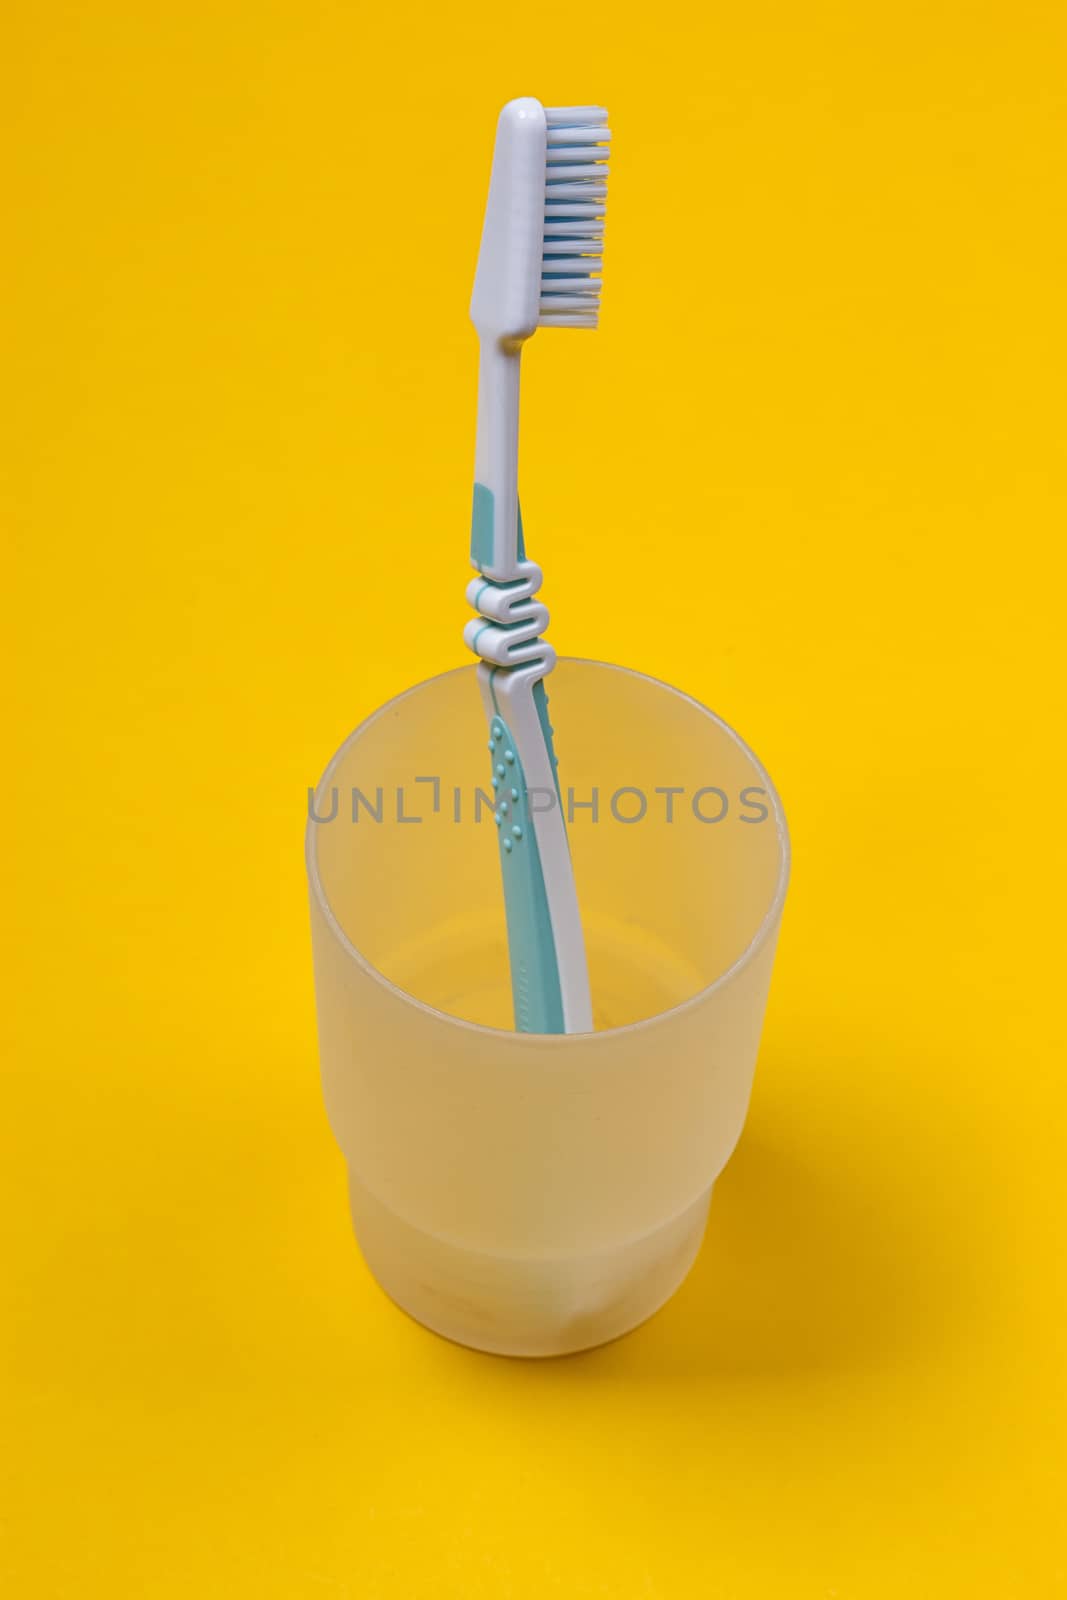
<point>541,246</point>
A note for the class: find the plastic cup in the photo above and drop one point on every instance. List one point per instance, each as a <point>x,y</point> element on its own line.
<point>535,1194</point>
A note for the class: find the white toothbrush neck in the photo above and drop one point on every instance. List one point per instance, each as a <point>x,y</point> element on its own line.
<point>496,459</point>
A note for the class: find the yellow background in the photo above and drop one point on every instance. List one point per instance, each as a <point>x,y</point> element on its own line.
<point>817,445</point>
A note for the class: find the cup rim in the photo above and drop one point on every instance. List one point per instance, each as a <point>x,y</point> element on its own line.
<point>768,921</point>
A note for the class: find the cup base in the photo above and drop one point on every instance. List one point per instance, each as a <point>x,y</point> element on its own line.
<point>525,1306</point>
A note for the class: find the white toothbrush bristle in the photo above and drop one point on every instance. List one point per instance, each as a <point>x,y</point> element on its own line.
<point>575,190</point>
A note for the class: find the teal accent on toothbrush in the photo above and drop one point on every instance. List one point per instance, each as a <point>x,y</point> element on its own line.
<point>482,512</point>
<point>482,527</point>
<point>536,995</point>
<point>539,265</point>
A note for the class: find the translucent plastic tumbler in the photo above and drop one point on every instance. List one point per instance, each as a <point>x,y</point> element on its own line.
<point>535,1194</point>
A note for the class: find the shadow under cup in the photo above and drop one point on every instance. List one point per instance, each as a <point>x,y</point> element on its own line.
<point>535,1194</point>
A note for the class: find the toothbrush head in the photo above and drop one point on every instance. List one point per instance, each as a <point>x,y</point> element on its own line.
<point>540,257</point>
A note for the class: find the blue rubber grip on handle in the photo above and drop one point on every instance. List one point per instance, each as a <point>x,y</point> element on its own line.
<point>535,985</point>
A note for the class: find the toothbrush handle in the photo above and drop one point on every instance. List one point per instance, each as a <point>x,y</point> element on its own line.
<point>550,981</point>
<point>496,538</point>
<point>549,977</point>
<point>536,990</point>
